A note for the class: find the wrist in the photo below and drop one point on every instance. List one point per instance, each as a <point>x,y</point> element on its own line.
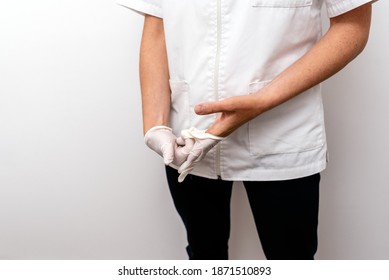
<point>147,124</point>
<point>157,127</point>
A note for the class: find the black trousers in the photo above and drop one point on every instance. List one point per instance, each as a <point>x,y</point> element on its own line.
<point>285,214</point>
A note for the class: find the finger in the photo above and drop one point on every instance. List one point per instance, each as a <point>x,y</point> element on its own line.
<point>197,153</point>
<point>189,143</point>
<point>182,152</point>
<point>183,175</point>
<point>187,166</point>
<point>209,108</point>
<point>180,141</point>
<point>184,166</point>
<point>227,105</point>
<point>168,153</point>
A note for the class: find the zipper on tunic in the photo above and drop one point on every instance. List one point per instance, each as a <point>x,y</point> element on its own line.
<point>216,76</point>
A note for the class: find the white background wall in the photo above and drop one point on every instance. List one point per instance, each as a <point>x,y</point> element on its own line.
<point>77,182</point>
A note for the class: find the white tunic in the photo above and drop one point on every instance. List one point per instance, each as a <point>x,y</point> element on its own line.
<point>222,48</point>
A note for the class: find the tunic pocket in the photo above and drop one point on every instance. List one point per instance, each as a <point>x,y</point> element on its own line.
<point>292,127</point>
<point>179,109</point>
<point>281,3</point>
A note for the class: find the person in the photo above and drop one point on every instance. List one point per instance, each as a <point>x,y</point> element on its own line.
<point>231,92</point>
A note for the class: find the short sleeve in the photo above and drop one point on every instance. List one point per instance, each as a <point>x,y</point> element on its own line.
<point>150,7</point>
<point>338,7</point>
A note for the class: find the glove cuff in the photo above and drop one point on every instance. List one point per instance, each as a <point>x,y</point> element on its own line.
<point>199,134</point>
<point>154,128</point>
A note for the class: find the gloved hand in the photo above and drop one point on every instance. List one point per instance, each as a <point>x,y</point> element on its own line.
<point>204,142</point>
<point>162,140</point>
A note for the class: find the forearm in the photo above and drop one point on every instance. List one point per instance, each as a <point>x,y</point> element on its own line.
<point>154,74</point>
<point>345,39</point>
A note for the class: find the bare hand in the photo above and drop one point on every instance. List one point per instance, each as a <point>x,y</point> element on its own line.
<point>235,111</point>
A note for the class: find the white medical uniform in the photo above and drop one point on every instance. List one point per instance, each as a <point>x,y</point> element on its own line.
<point>222,48</point>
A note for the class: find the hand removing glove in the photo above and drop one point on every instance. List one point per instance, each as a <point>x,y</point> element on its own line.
<point>203,143</point>
<point>162,140</point>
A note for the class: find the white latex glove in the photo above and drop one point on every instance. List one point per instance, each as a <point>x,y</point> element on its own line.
<point>162,140</point>
<point>204,142</point>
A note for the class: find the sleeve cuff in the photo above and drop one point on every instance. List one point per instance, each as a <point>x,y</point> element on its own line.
<point>141,7</point>
<point>343,6</point>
